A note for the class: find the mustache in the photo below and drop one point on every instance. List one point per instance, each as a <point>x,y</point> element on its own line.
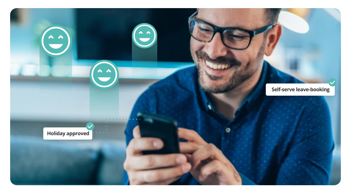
<point>220,60</point>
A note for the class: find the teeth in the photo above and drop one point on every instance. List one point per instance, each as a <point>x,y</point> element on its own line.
<point>217,66</point>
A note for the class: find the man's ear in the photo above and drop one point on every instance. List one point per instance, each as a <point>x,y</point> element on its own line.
<point>272,39</point>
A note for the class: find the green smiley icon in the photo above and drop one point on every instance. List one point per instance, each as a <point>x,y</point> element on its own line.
<point>144,35</point>
<point>104,74</point>
<point>55,40</point>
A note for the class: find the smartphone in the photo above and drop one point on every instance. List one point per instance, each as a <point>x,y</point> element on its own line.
<point>162,127</point>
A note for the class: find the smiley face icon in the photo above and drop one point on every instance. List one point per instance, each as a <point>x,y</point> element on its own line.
<point>55,40</point>
<point>144,35</point>
<point>104,74</point>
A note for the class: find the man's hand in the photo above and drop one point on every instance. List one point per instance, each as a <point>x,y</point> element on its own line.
<point>209,165</point>
<point>153,169</point>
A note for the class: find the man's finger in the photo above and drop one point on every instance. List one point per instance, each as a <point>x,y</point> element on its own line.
<point>159,175</point>
<point>141,144</point>
<point>212,167</point>
<point>190,135</point>
<point>208,151</point>
<point>136,132</point>
<point>189,157</point>
<point>146,162</point>
<point>189,147</point>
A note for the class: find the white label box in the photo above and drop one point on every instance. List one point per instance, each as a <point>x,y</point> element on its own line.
<point>300,89</point>
<point>67,133</point>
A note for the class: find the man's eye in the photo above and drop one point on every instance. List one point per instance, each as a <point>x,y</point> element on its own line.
<point>99,71</point>
<point>140,32</point>
<point>205,30</point>
<point>236,37</point>
<point>60,37</point>
<point>108,71</point>
<point>50,37</point>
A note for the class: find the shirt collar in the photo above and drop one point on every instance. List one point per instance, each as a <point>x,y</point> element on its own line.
<point>252,100</point>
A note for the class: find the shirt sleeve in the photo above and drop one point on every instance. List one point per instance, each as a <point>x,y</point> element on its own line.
<point>142,104</point>
<point>310,156</point>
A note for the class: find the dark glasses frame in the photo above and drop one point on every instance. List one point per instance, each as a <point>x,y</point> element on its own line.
<point>222,29</point>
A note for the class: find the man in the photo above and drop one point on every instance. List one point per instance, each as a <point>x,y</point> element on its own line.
<point>233,133</point>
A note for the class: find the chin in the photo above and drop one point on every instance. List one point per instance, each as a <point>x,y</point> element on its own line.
<point>214,86</point>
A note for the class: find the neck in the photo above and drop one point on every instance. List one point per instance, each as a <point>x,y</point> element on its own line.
<point>228,103</point>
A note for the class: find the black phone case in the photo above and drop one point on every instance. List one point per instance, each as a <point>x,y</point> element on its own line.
<point>164,128</point>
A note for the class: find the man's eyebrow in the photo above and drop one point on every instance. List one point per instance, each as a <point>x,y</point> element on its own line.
<point>238,26</point>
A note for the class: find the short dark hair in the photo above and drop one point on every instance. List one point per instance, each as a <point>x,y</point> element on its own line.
<point>272,15</point>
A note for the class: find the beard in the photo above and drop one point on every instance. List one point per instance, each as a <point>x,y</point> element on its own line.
<point>239,74</point>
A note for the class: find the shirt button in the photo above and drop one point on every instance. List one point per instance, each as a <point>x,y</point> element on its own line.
<point>228,130</point>
<point>209,107</point>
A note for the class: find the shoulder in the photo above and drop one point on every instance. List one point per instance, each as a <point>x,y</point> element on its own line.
<point>277,76</point>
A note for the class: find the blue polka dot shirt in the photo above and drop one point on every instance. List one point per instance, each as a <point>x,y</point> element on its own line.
<point>272,140</point>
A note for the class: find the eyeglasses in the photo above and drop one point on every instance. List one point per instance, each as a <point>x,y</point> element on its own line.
<point>234,38</point>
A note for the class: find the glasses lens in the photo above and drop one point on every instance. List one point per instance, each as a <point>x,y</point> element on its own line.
<point>200,30</point>
<point>237,39</point>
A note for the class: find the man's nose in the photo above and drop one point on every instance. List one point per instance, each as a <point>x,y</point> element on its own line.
<point>215,48</point>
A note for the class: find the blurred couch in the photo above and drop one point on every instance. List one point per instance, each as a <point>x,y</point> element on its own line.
<point>35,161</point>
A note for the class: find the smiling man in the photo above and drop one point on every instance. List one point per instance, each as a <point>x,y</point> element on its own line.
<point>232,133</point>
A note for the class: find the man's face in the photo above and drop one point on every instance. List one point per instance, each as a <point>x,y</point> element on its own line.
<point>222,69</point>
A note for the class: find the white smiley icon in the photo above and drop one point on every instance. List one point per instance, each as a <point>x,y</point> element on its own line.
<point>104,76</point>
<point>55,46</point>
<point>144,39</point>
<point>104,79</point>
<point>144,35</point>
<point>55,40</point>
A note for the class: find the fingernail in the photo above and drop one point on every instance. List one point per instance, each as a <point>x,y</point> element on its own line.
<point>181,159</point>
<point>186,167</point>
<point>157,144</point>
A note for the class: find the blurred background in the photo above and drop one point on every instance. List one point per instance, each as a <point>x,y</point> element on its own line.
<point>309,49</point>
